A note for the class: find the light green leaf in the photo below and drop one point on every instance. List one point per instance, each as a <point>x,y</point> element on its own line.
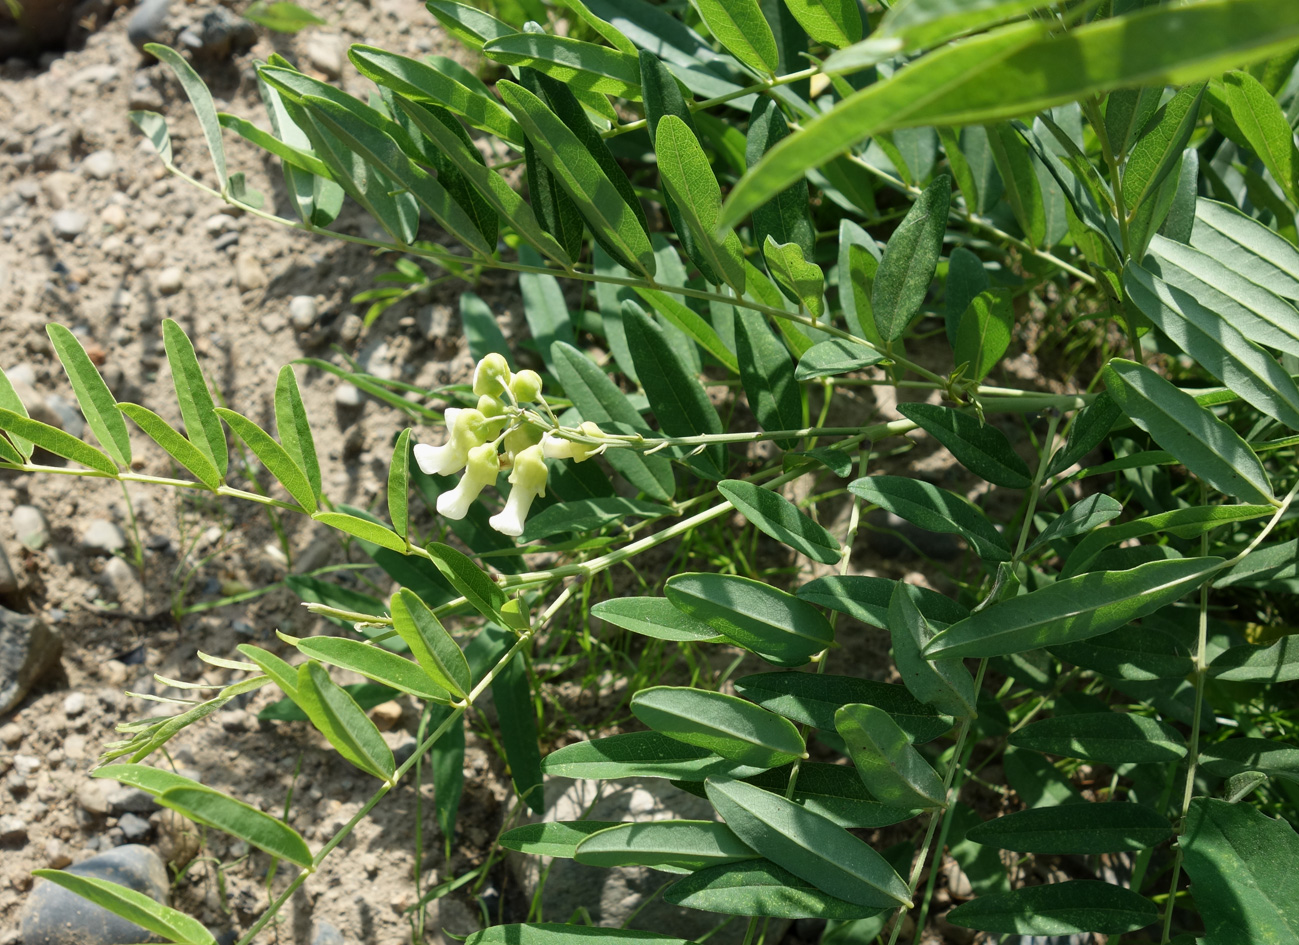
<point>586,515</point>
<point>177,447</point>
<point>1242,868</point>
<point>553,838</point>
<point>1058,909</point>
<point>294,429</point>
<point>469,579</point>
<point>640,755</point>
<point>834,791</point>
<point>741,28</point>
<point>785,217</point>
<point>685,318</point>
<point>807,844</point>
<point>154,127</point>
<point>434,649</point>
<point>768,375</point>
<point>93,396</point>
<point>836,23</point>
<point>759,888</point>
<point>777,626</point>
<point>399,485</point>
<point>581,65</point>
<point>1247,247</point>
<point>792,272</point>
<point>979,447</point>
<point>56,441</point>
<point>132,906</point>
<point>943,683</point>
<point>776,516</point>
<point>281,16</point>
<point>1156,153</point>
<point>9,400</point>
<point>342,722</point>
<point>204,108</point>
<point>1112,827</point>
<point>1022,191</point>
<point>540,933</point>
<point>1082,517</point>
<point>927,22</point>
<point>274,457</point>
<point>1204,444</point>
<point>214,809</point>
<point>654,617</point>
<point>1127,112</point>
<point>1265,127</point>
<point>936,510</point>
<point>832,358</point>
<point>983,332</point>
<point>910,257</point>
<point>740,731</point>
<point>470,25</point>
<point>1276,663</point>
<point>1107,737</point>
<point>607,31</point>
<point>892,770</point>
<point>295,158</point>
<point>678,846</point>
<point>1074,609</point>
<point>373,663</point>
<point>202,425</point>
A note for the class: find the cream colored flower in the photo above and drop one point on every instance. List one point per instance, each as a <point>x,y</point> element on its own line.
<point>528,481</point>
<point>480,472</point>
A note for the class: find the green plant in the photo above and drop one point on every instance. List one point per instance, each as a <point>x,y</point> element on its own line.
<point>1146,210</point>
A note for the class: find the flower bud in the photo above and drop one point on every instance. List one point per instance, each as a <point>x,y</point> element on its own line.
<point>528,481</point>
<point>480,472</point>
<point>520,438</point>
<point>492,375</point>
<point>557,447</point>
<point>525,386</point>
<point>490,407</point>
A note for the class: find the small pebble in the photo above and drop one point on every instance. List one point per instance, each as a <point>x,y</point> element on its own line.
<point>350,328</point>
<point>219,223</point>
<point>74,704</point>
<point>29,527</point>
<point>302,312</point>
<point>134,827</point>
<point>11,733</point>
<point>326,934</point>
<point>122,800</point>
<point>170,281</point>
<point>69,224</point>
<point>13,830</point>
<point>103,535</point>
<point>114,216</point>
<point>347,395</point>
<point>100,165</point>
<point>56,856</point>
<point>325,52</point>
<point>386,715</point>
<point>249,272</point>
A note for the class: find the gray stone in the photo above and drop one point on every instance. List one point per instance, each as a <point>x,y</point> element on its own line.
<point>100,165</point>
<point>74,704</point>
<point>8,579</point>
<point>56,916</point>
<point>218,35</point>
<point>350,328</point>
<point>144,96</point>
<point>11,733</point>
<point>134,827</point>
<point>70,417</point>
<point>92,797</point>
<point>148,24</point>
<point>249,272</point>
<point>29,648</point>
<point>326,934</point>
<point>325,52</point>
<point>123,800</point>
<point>29,527</point>
<point>347,395</point>
<point>120,578</point>
<point>103,535</point>
<point>170,281</point>
<point>104,74</point>
<point>69,224</point>
<point>13,831</point>
<point>302,312</point>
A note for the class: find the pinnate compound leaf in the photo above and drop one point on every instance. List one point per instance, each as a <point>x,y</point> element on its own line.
<point>1107,737</point>
<point>1198,439</point>
<point>741,27</point>
<point>1247,247</point>
<point>93,396</point>
<point>835,357</point>
<point>56,441</point>
<point>1264,126</point>
<point>892,770</point>
<point>983,332</point>
<point>640,755</point>
<point>673,845</point>
<point>979,447</point>
<point>935,510</point>
<point>202,425</point>
<point>204,107</point>
<point>434,648</point>
<point>1243,875</point>
<point>1082,517</point>
<point>779,518</point>
<point>777,626</point>
<point>553,838</point>
<point>274,457</point>
<point>760,888</point>
<point>132,906</point>
<point>344,723</point>
<point>1074,609</point>
<point>214,809</point>
<point>807,844</point>
<point>1249,663</point>
<point>740,731</point>
<point>374,663</point>
<point>1112,827</point>
<point>910,257</point>
<point>654,617</point>
<point>1064,908</point>
<point>177,447</point>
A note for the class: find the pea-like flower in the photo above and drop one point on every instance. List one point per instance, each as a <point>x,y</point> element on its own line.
<point>528,481</point>
<point>480,472</point>
<point>465,430</point>
<point>556,447</point>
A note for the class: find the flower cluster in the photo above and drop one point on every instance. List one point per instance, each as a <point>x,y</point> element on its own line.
<point>495,435</point>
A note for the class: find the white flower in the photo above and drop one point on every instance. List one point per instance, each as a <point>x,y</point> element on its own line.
<point>557,447</point>
<point>529,481</point>
<point>464,432</point>
<point>480,472</point>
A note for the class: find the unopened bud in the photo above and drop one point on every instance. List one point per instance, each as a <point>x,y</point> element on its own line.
<point>557,447</point>
<point>492,375</point>
<point>525,386</point>
<point>490,407</point>
<point>520,438</point>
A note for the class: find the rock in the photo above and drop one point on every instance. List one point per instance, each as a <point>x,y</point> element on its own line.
<point>56,857</point>
<point>8,579</point>
<point>148,24</point>
<point>93,75</point>
<point>13,830</point>
<point>55,916</point>
<point>120,578</point>
<point>92,797</point>
<point>130,800</point>
<point>249,272</point>
<point>29,527</point>
<point>144,96</point>
<point>29,648</point>
<point>103,535</point>
<point>178,838</point>
<point>134,827</point>
<point>302,312</point>
<point>170,281</point>
<point>113,216</point>
<point>386,715</point>
<point>218,35</point>
<point>74,704</point>
<point>347,395</point>
<point>69,224</point>
<point>350,328</point>
<point>71,420</point>
<point>219,223</point>
<point>11,733</point>
<point>325,52</point>
<point>326,934</point>
<point>434,324</point>
<point>100,165</point>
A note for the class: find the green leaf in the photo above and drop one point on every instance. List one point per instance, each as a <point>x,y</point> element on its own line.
<point>553,838</point>
<point>154,127</point>
<point>910,257</point>
<point>1157,151</point>
<point>214,809</point>
<point>470,25</point>
<point>204,108</point>
<point>1127,113</point>
<point>399,484</point>
<point>979,447</point>
<point>759,888</point>
<point>1185,523</point>
<point>832,358</point>
<point>343,723</point>
<point>1237,755</point>
<point>654,617</point>
<point>1058,909</point>
<point>836,23</point>
<point>1247,247</point>
<point>1276,663</point>
<point>1074,609</point>
<point>1082,517</point>
<point>673,845</point>
<point>469,579</point>
<point>584,66</point>
<point>586,515</point>
<point>1242,868</point>
<point>640,755</point>
<point>1150,654</point>
<point>177,447</point>
<point>374,663</point>
<point>892,770</point>
<point>281,16</point>
<point>983,332</point>
<point>859,262</point>
<point>768,376</point>
<point>9,400</point>
<point>683,317</point>
<point>96,401</point>
<point>56,441</point>
<point>1107,737</point>
<point>779,518</point>
<point>868,599</point>
<point>1268,564</point>
<point>294,429</point>
<point>202,425</point>
<point>785,217</point>
<point>807,844</point>
<point>1088,431</point>
<point>813,699</point>
<point>434,649</point>
<point>1022,191</point>
<point>512,696</point>
<point>582,178</point>
<point>1112,827</point>
<point>935,510</point>
<point>834,791</point>
<point>540,933</point>
<point>1265,127</point>
<point>688,178</point>
<point>1014,70</point>
<point>742,30</point>
<point>794,274</point>
<point>274,457</point>
<point>777,626</point>
<point>943,683</point>
<point>132,906</point>
<point>724,725</point>
<point>1198,439</point>
<point>607,31</point>
<point>926,22</point>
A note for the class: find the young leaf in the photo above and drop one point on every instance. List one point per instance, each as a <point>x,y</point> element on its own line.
<point>1074,609</point>
<point>1113,827</point>
<point>274,457</point>
<point>983,332</point>
<point>768,376</point>
<point>294,428</point>
<point>177,447</point>
<point>743,31</point>
<point>93,396</point>
<point>943,683</point>
<point>204,108</point>
<point>810,846</point>
<point>202,425</point>
<point>910,257</point>
<point>892,770</point>
<point>936,510</point>
<point>776,516</point>
<point>759,888</point>
<point>282,17</point>
<point>343,722</point>
<point>737,730</point>
<point>1064,908</point>
<point>132,906</point>
<point>640,755</point>
<point>795,275</point>
<point>832,358</point>
<point>214,809</point>
<point>979,447</point>
<point>1107,737</point>
<point>654,617</point>
<point>1203,443</point>
<point>1247,247</point>
<point>777,626</point>
<point>374,663</point>
<point>435,650</point>
<point>56,441</point>
<point>1265,127</point>
<point>1082,517</point>
<point>672,845</point>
